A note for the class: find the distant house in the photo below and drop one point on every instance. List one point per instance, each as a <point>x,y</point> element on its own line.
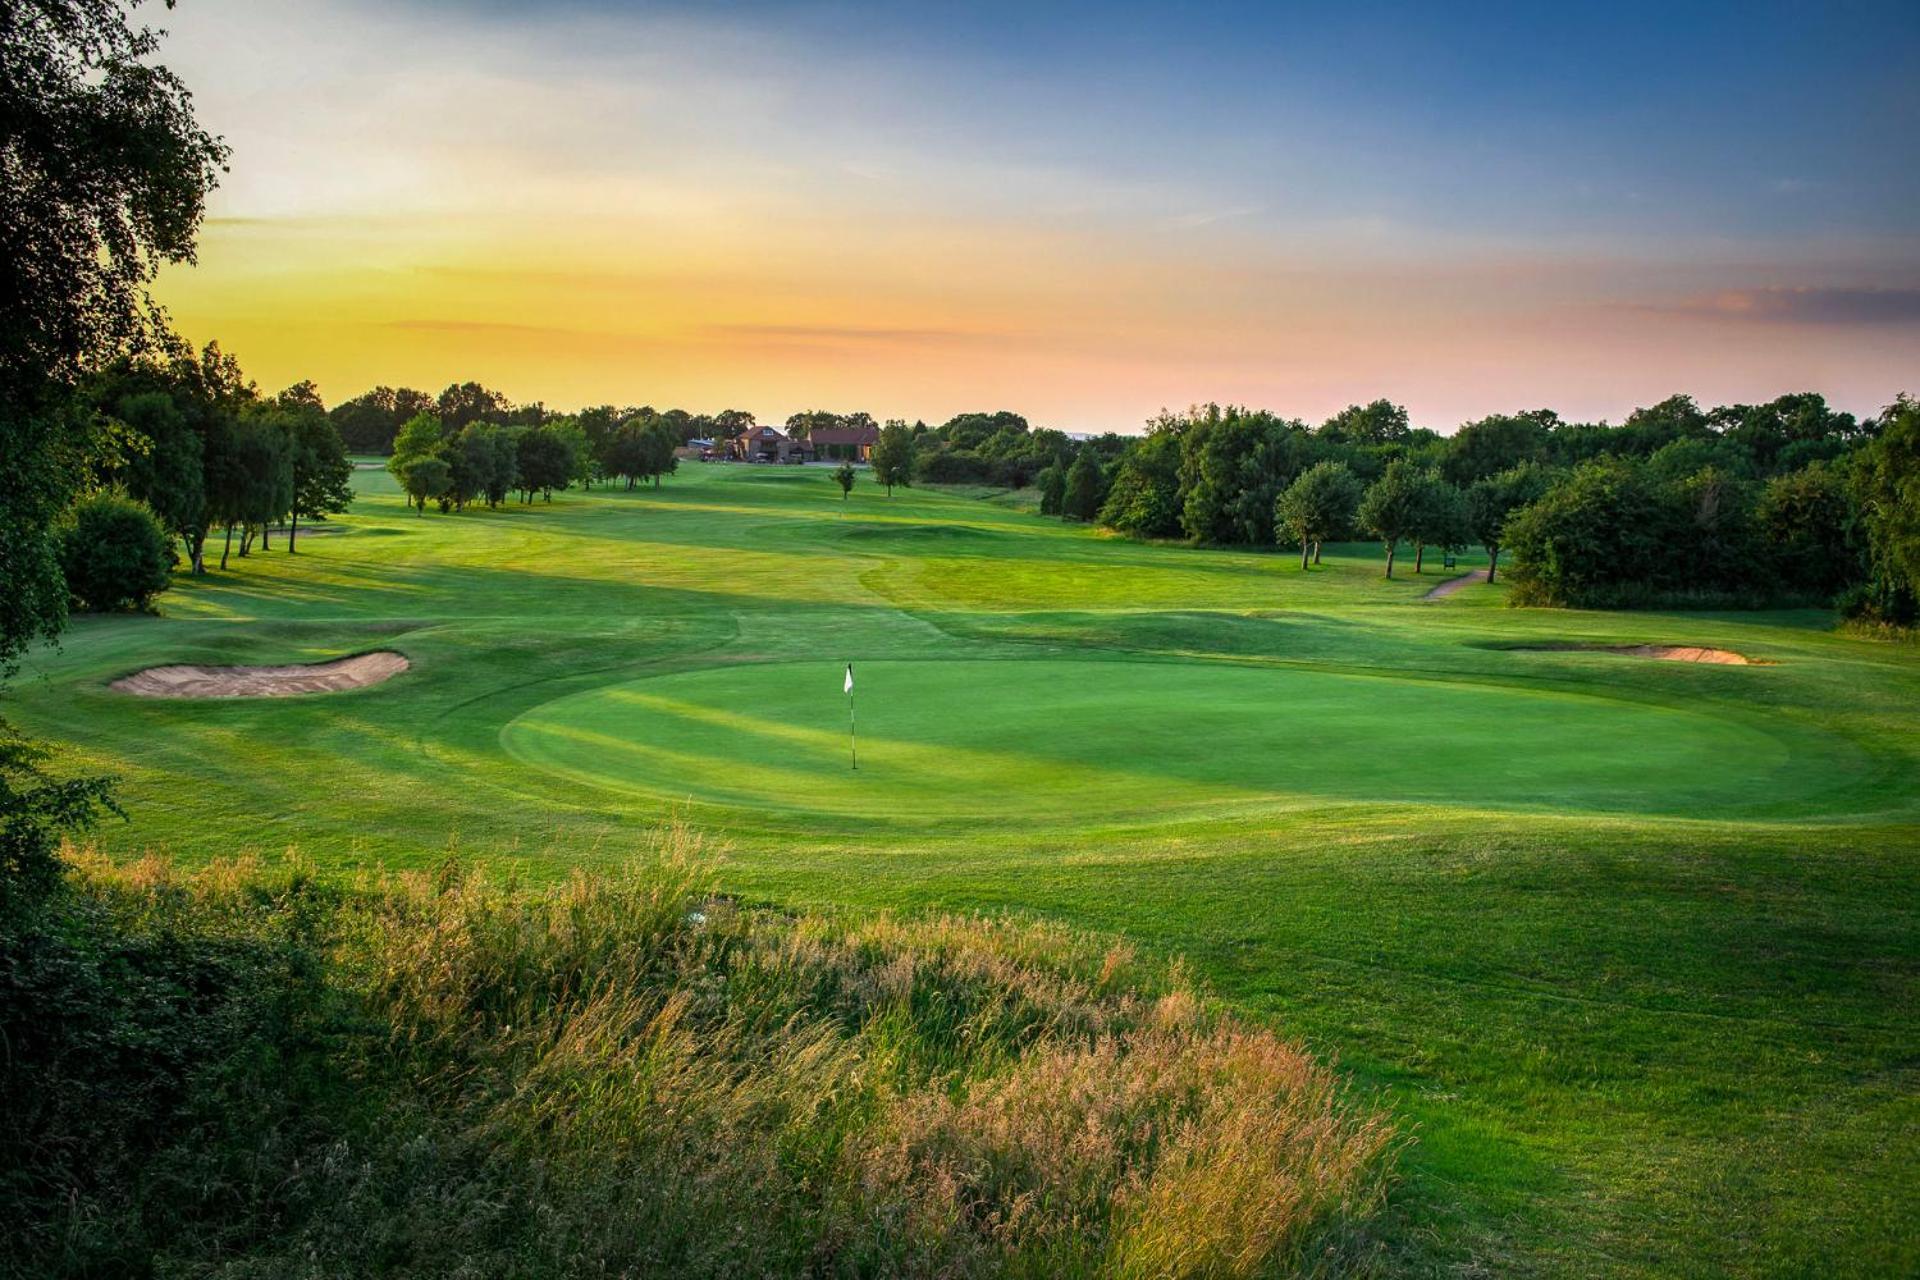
<point>763,444</point>
<point>852,444</point>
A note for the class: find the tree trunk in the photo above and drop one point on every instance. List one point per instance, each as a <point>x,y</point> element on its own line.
<point>197,552</point>
<point>228,547</point>
<point>266,537</point>
<point>293,529</point>
<point>1316,551</point>
<point>1419,556</point>
<point>1305,548</point>
<point>1390,547</point>
<point>1493,561</point>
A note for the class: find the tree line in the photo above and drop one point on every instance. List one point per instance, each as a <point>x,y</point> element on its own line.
<point>1790,501</point>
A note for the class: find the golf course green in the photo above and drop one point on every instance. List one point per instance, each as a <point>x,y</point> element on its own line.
<point>1033,741</point>
<point>1630,948</point>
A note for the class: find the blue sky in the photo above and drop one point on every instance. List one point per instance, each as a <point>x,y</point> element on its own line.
<point>1084,211</point>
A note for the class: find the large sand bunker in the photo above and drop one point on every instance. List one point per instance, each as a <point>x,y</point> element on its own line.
<point>1663,652</point>
<point>356,672</point>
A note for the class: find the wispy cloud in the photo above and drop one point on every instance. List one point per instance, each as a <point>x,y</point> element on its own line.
<point>1807,306</point>
<point>864,334</point>
<point>483,327</point>
<point>1208,217</point>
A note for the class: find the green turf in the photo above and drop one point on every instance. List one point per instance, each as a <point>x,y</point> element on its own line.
<point>1630,945</point>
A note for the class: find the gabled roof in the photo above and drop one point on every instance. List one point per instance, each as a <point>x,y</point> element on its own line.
<point>844,435</point>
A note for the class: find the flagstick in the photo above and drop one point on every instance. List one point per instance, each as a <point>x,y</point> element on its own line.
<point>853,743</point>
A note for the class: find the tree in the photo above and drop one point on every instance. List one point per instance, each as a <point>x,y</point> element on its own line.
<point>1144,499</point>
<point>1319,504</point>
<point>1086,486</point>
<point>1810,526</point>
<point>176,412</point>
<point>419,440</point>
<point>547,459</point>
<point>1493,500</point>
<point>505,471</point>
<point>1783,433</point>
<point>1718,548</point>
<point>322,475</point>
<point>1391,506</point>
<point>482,463</point>
<point>166,469</point>
<point>1887,489</point>
<point>892,458</point>
<point>627,454</point>
<point>658,439</point>
<point>367,423</point>
<point>599,424</point>
<point>1052,483</point>
<point>1600,536</point>
<point>1233,464</point>
<point>843,476</point>
<point>730,424</point>
<point>1653,428</point>
<point>106,179</point>
<point>1492,445</point>
<point>469,402</point>
<point>422,477</point>
<point>1382,422</point>
<point>114,554</point>
<point>1439,519</point>
<point>256,487</point>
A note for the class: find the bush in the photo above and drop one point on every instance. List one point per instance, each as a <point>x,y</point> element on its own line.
<point>240,1072</point>
<point>1615,534</point>
<point>114,554</point>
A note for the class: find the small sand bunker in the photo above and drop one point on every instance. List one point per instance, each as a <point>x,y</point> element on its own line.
<point>356,672</point>
<point>1663,652</point>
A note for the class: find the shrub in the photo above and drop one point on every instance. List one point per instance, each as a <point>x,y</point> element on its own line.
<point>1086,486</point>
<point>114,554</point>
<point>631,1075</point>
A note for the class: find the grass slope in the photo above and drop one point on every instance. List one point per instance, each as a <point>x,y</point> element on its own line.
<point>1633,943</point>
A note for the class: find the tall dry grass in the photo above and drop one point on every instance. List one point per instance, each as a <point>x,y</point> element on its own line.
<point>631,1075</point>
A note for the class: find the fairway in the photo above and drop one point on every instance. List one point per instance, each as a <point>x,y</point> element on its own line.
<point>1630,948</point>
<point>1057,743</point>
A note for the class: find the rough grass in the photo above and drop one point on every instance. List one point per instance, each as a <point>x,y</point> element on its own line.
<point>442,1074</point>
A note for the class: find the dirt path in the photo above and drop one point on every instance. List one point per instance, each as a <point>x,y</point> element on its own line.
<point>262,682</point>
<point>1452,585</point>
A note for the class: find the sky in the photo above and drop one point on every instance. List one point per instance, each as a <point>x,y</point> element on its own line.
<point>1084,213</point>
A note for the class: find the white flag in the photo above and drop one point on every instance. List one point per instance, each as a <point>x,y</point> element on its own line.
<point>849,685</point>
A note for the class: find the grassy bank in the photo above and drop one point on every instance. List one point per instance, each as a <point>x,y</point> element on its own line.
<point>240,1072</point>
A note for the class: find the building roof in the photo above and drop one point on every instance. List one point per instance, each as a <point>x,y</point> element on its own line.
<point>844,435</point>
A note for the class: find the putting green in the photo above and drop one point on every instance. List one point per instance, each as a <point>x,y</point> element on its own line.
<point>1057,743</point>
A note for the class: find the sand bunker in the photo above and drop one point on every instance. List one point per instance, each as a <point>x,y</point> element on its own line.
<point>1663,652</point>
<point>356,672</point>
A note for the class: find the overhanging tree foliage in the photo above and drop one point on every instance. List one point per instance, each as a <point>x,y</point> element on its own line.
<point>104,175</point>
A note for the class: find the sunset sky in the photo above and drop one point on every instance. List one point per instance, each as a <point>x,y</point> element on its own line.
<point>1084,214</point>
